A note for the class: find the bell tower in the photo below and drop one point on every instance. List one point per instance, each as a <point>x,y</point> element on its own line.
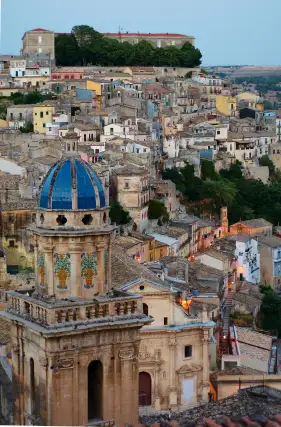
<point>224,221</point>
<point>75,339</point>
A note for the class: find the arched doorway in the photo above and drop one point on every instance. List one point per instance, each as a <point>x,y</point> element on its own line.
<point>95,385</point>
<point>144,389</point>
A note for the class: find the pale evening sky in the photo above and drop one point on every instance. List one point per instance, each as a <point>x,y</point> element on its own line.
<point>226,31</point>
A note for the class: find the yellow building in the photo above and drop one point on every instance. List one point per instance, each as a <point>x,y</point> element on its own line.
<point>98,88</point>
<point>254,100</point>
<point>42,114</point>
<point>226,105</point>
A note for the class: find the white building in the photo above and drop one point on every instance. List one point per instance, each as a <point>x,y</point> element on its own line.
<point>248,258</point>
<point>207,80</point>
<point>115,129</point>
<point>17,67</point>
<point>171,146</point>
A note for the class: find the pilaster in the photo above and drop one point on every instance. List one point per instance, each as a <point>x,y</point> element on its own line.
<point>205,355</point>
<point>48,251</point>
<point>173,389</point>
<point>100,258</point>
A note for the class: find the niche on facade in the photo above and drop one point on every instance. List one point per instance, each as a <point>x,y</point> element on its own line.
<point>61,220</point>
<point>42,219</point>
<point>87,219</point>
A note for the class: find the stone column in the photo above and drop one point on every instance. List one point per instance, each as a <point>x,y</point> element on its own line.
<point>17,380</point>
<point>172,374</point>
<point>109,265</point>
<point>100,259</point>
<point>48,251</point>
<point>157,404</point>
<point>129,408</point>
<point>206,363</point>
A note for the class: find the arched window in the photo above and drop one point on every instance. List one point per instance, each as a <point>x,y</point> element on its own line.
<point>95,390</point>
<point>32,386</point>
<point>145,309</point>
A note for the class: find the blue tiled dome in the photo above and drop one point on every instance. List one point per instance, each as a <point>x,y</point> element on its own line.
<point>71,182</point>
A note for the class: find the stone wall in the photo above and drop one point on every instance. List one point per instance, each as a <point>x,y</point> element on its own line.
<point>6,392</point>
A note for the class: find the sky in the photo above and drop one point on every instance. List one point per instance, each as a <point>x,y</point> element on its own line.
<point>228,32</point>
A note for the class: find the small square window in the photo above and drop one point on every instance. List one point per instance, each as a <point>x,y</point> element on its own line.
<point>187,351</point>
<point>11,243</point>
<point>41,115</point>
<point>47,113</point>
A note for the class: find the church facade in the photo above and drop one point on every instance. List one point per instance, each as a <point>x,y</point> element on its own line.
<point>75,340</point>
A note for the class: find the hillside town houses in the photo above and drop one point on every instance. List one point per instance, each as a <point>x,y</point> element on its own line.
<point>82,240</point>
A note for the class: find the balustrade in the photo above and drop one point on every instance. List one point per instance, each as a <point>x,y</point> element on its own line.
<point>51,316</point>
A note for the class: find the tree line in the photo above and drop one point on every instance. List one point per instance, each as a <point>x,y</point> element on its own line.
<point>245,198</point>
<point>85,46</point>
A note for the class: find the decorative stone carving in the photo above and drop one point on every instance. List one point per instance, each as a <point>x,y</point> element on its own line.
<point>143,353</point>
<point>126,354</point>
<point>173,342</point>
<point>188,369</point>
<point>62,269</point>
<point>16,348</point>
<point>66,364</point>
<point>89,269</point>
<point>43,362</point>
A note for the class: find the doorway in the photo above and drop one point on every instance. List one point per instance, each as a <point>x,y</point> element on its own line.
<point>144,389</point>
<point>95,385</point>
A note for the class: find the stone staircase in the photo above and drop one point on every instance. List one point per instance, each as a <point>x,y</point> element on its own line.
<point>226,315</point>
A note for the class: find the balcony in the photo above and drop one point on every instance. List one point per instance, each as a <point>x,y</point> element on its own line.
<point>51,313</point>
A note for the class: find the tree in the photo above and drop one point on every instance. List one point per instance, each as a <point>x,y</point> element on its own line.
<point>188,75</point>
<point>157,210</point>
<point>270,313</point>
<point>265,161</point>
<point>118,215</point>
<point>85,46</point>
<point>28,128</point>
<point>233,173</point>
<point>67,50</point>
<point>208,170</point>
<point>222,192</point>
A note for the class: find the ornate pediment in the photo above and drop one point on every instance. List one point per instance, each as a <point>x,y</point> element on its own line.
<point>189,369</point>
<point>65,363</point>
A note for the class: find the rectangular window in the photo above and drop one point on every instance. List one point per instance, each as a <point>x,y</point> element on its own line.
<point>126,185</point>
<point>187,351</point>
<point>47,113</point>
<point>158,43</point>
<point>165,320</point>
<point>20,116</point>
<point>41,114</point>
<point>12,243</point>
<point>11,116</point>
<point>111,131</point>
<point>44,125</point>
<point>39,39</point>
<point>40,50</point>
